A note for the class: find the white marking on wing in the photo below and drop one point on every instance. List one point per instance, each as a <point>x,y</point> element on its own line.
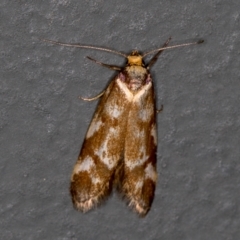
<point>114,110</point>
<point>146,114</point>
<point>94,127</point>
<point>112,130</point>
<point>95,180</point>
<point>142,92</point>
<point>154,134</point>
<point>150,172</point>
<point>125,89</point>
<point>102,152</point>
<point>132,163</point>
<point>85,165</point>
<point>139,184</point>
<point>139,134</point>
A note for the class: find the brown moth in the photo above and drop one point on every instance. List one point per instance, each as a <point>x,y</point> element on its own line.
<point>119,149</point>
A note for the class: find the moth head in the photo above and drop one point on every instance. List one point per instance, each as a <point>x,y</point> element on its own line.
<point>135,58</point>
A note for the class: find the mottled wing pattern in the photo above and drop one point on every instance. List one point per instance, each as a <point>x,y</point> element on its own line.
<point>102,150</point>
<point>140,151</point>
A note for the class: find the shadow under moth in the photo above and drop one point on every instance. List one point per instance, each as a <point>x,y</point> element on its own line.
<point>119,149</point>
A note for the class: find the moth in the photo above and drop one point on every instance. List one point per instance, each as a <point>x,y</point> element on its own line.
<point>119,149</point>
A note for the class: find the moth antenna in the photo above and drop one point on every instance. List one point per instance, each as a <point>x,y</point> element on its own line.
<point>175,46</point>
<point>84,46</point>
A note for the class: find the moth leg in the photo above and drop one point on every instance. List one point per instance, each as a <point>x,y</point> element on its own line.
<point>160,110</point>
<point>155,57</point>
<point>94,98</point>
<point>116,68</point>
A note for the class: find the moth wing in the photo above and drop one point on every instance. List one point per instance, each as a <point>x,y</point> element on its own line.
<point>102,149</point>
<point>140,151</point>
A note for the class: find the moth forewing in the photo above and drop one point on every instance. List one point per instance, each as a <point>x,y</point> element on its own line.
<point>140,173</point>
<point>93,173</point>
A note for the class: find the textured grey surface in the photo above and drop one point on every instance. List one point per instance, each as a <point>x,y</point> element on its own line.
<point>43,123</point>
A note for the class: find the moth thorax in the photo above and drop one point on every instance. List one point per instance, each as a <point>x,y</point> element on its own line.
<point>135,59</point>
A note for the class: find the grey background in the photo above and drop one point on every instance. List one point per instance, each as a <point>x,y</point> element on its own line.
<point>43,123</point>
